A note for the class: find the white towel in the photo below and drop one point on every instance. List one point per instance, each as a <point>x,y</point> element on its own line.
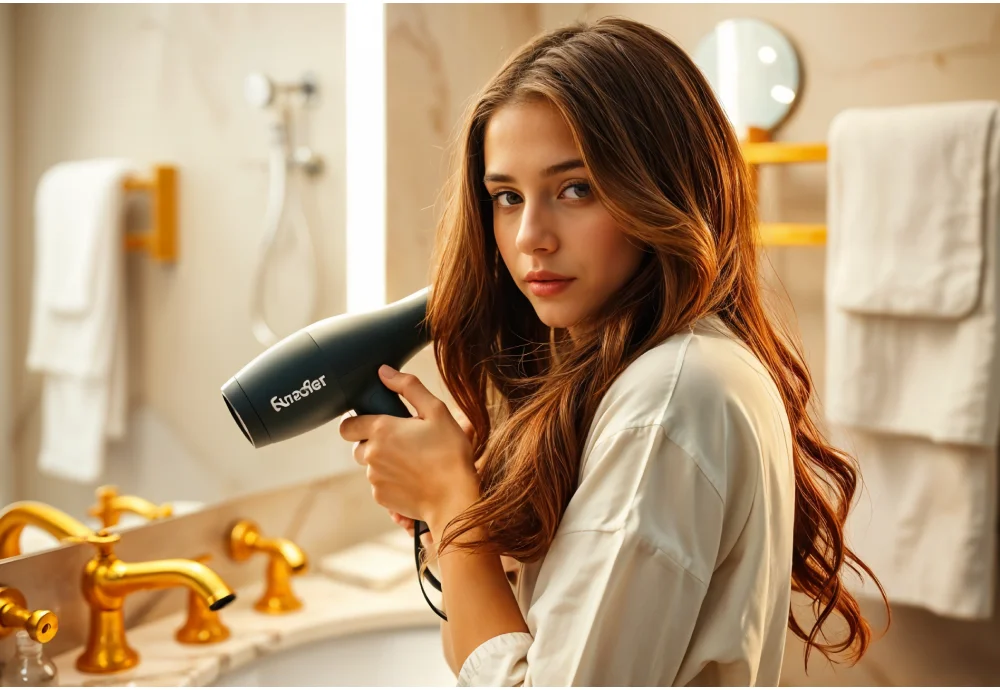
<point>78,330</point>
<point>912,218</point>
<point>925,522</point>
<point>912,345</point>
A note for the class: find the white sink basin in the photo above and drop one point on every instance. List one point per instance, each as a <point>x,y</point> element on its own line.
<point>407,657</point>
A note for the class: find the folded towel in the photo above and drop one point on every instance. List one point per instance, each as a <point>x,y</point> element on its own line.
<point>77,335</point>
<point>912,374</point>
<point>925,522</point>
<point>370,565</point>
<point>912,338</point>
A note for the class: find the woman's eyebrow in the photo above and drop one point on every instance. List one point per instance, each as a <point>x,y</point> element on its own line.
<point>556,169</point>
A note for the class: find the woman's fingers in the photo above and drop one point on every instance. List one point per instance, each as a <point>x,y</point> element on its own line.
<point>359,452</point>
<point>466,425</point>
<point>404,522</point>
<point>407,524</point>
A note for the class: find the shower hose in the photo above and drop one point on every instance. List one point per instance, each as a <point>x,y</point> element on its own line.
<point>279,210</point>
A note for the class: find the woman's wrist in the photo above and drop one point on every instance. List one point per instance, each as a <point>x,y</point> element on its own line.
<point>464,491</point>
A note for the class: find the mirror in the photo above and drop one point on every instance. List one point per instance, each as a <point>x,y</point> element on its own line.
<point>754,71</point>
<point>255,140</point>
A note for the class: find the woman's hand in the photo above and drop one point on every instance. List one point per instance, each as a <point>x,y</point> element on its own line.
<point>421,467</point>
<point>407,523</point>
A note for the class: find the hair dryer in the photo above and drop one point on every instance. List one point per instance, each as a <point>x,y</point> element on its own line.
<point>325,369</point>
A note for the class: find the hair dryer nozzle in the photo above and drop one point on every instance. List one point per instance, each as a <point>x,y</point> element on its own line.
<point>242,411</point>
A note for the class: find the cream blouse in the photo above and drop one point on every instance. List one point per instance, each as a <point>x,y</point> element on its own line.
<point>672,563</point>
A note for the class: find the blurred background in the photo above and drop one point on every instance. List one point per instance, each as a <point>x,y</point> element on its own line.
<point>249,106</point>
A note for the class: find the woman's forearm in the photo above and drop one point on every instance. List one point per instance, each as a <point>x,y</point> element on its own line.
<point>478,599</point>
<point>446,643</point>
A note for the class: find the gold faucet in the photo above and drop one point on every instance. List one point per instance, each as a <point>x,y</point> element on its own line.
<point>107,580</point>
<point>110,506</point>
<point>40,625</point>
<point>203,625</point>
<point>16,516</point>
<point>285,560</point>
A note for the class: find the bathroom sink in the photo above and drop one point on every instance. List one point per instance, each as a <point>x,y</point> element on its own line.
<point>402,657</point>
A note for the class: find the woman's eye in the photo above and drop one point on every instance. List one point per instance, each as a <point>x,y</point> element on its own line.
<point>506,198</point>
<point>580,190</point>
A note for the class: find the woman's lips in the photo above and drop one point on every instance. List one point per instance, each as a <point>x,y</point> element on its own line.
<point>548,288</point>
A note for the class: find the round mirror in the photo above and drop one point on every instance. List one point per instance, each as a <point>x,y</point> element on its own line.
<point>754,71</point>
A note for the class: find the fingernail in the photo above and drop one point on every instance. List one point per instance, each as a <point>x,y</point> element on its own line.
<point>387,371</point>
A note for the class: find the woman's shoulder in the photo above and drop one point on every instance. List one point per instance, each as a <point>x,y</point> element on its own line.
<point>706,391</point>
<point>705,364</point>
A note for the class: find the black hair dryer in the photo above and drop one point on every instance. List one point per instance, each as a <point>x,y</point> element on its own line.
<point>325,369</point>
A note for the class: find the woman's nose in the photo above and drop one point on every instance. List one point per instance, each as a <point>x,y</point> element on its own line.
<point>536,233</point>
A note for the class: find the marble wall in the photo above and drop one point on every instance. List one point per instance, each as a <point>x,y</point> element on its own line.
<point>164,84</point>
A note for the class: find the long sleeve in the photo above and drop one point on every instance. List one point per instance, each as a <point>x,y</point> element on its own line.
<point>618,595</point>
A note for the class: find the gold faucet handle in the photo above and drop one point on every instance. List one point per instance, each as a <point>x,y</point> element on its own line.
<point>110,506</point>
<point>244,540</point>
<point>285,560</point>
<point>40,625</point>
<point>102,539</point>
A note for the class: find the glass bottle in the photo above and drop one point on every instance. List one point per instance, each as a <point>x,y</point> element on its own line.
<point>29,667</point>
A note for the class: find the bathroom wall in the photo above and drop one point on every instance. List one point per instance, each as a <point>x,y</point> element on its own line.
<point>6,246</point>
<point>164,84</point>
<point>852,55</point>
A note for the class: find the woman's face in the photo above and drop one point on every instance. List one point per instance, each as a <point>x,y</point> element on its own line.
<point>562,248</point>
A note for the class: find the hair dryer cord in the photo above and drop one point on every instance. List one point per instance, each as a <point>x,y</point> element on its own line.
<point>420,528</point>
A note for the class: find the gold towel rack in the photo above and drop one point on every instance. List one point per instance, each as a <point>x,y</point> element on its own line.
<point>757,151</point>
<point>160,240</point>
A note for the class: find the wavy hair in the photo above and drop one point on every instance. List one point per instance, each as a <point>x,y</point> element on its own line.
<point>665,162</point>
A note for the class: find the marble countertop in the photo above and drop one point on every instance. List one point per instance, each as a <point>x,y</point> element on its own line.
<point>332,608</point>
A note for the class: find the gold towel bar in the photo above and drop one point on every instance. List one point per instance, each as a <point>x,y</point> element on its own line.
<point>160,240</point>
<point>757,150</point>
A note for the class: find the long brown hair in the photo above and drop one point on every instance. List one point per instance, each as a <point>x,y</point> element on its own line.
<point>667,165</point>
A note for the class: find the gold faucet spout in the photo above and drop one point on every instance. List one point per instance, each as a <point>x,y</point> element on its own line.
<point>116,579</point>
<point>16,516</point>
<point>107,580</point>
<point>288,551</point>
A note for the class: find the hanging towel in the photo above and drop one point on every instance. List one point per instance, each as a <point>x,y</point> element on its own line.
<point>925,521</point>
<point>78,330</point>
<point>912,213</point>
<point>912,344</point>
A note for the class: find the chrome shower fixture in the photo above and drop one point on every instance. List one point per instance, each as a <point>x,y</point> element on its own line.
<point>260,90</point>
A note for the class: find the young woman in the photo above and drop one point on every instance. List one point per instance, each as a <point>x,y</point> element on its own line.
<point>638,436</point>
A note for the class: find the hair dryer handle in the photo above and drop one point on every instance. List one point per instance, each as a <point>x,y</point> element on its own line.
<point>377,399</point>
